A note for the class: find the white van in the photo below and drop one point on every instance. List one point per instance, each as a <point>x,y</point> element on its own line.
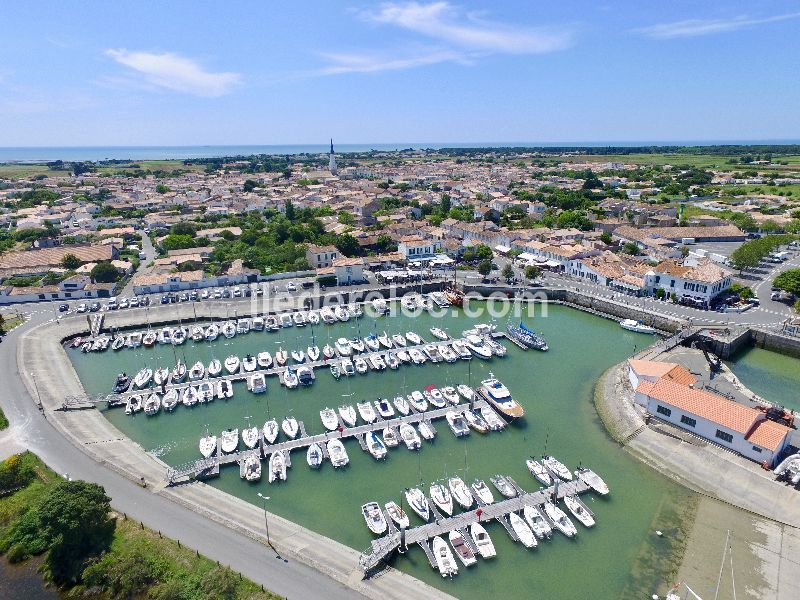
<point>112,303</point>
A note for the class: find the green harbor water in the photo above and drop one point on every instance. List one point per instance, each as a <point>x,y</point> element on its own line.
<point>773,376</point>
<point>620,557</point>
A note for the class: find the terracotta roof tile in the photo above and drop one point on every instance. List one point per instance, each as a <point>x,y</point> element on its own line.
<point>767,434</point>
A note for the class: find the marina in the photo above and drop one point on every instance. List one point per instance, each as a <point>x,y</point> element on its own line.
<point>559,419</point>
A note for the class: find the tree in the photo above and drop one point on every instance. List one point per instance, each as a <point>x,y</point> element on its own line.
<point>788,281</point>
<point>346,218</point>
<point>631,248</point>
<point>385,243</point>
<point>104,272</point>
<point>606,238</point>
<point>178,242</point>
<point>485,267</point>
<point>71,262</point>
<point>74,519</point>
<point>219,584</point>
<point>532,272</point>
<point>508,271</point>
<point>347,245</point>
<point>289,210</point>
<point>183,228</point>
<point>162,189</point>
<point>249,185</point>
<point>483,252</point>
<point>125,574</point>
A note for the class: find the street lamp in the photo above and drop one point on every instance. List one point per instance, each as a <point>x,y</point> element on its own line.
<point>266,523</point>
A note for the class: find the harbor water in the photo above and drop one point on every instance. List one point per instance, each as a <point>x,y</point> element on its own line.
<point>773,376</point>
<point>620,557</point>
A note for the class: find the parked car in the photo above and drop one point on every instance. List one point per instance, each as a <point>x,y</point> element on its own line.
<point>204,294</point>
<point>291,286</point>
<point>164,299</point>
<point>82,308</point>
<point>94,307</point>
<point>226,293</point>
<point>237,293</point>
<point>145,301</point>
<point>63,307</point>
<point>307,284</point>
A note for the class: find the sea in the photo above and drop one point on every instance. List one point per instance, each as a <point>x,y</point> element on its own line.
<point>98,153</point>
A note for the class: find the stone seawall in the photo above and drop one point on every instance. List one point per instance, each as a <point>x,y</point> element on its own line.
<point>769,340</point>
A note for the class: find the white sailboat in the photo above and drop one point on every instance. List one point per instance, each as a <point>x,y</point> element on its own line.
<point>250,436</point>
<point>230,440</point>
<point>442,498</point>
<point>482,541</point>
<point>366,412</point>
<point>522,530</point>
<point>290,427</point>
<point>482,491</point>
<point>460,492</point>
<point>232,364</point>
<point>314,456</point>
<point>397,514</point>
<point>208,445</point>
<point>270,431</point>
<point>418,503</point>
<point>348,415</point>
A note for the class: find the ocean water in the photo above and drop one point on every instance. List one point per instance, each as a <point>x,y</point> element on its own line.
<point>620,557</point>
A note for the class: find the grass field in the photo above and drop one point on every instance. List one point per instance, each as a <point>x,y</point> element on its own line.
<point>14,171</point>
<point>703,161</point>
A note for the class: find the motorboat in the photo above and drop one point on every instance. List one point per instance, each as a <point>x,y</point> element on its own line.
<point>449,393</point>
<point>360,365</point>
<point>366,412</point>
<point>559,519</point>
<point>197,371</point>
<point>142,378</point>
<point>170,400</point>
<point>257,383</point>
<point>228,329</point>
<point>312,352</point>
<point>476,345</point>
<point>460,348</point>
<point>458,424</point>
<point>556,467</point>
<point>418,503</point>
<point>462,550</point>
<point>299,319</point>
<point>178,336</point>
<point>403,356</point>
<point>527,337</point>
<point>314,456</point>
<point>579,511</point>
<point>385,341</point>
<point>397,514</point>
<point>476,421</point>
<point>257,324</point>
<point>214,368</point>
<point>392,361</point>
<point>208,445</point>
<point>243,326</point>
<point>375,445</point>
<point>313,317</point>
<point>343,347</point>
<point>482,541</point>
<point>290,379</point>
<point>230,440</point>
<point>205,391</point>
<point>252,468</point>
<point>536,521</point>
<point>498,396</point>
<point>281,357</point>
<point>272,323</point>
<point>390,437</point>
<point>439,333</point>
<point>117,344</point>
<point>329,419</point>
<point>328,351</point>
<point>335,369</point>
<point>442,498</point>
<point>376,362</point>
<point>445,562</point>
<point>447,353</point>
<point>417,357</point>
<point>503,485</point>
<point>290,427</point>
<point>189,396</point>
<point>197,334</point>
<point>225,389</point>
<point>134,404</point>
<point>538,470</point>
<point>522,530</point>
<point>398,340</point>
<point>232,364</point>
<point>152,405</point>
<point>348,368</point>
<point>270,431</point>
<point>148,341</point>
<point>494,422</point>
<point>264,360</point>
<point>121,384</point>
<point>212,332</point>
<point>277,466</point>
<point>426,430</point>
<point>482,491</point>
<point>432,352</point>
<point>460,492</point>
<point>305,375</point>
<point>249,363</point>
<point>496,347</point>
<point>418,401</point>
<point>373,515</point>
<point>348,415</point>
<point>434,396</point>
<point>164,336</point>
<point>636,326</point>
<point>250,436</point>
<point>372,343</point>
<point>410,436</point>
<point>355,310</point>
<point>413,338</point>
<point>337,453</point>
<point>465,391</point>
<point>384,408</point>
<point>342,314</point>
<point>285,319</point>
<point>327,315</point>
<point>409,303</point>
<point>298,356</point>
<point>401,404</point>
<point>593,480</point>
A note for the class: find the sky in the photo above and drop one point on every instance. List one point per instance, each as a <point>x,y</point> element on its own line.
<point>260,72</point>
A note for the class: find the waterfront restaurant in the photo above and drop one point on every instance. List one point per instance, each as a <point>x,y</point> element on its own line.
<point>721,421</point>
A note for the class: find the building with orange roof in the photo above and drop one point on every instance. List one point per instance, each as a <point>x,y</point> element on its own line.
<point>650,370</point>
<point>725,422</point>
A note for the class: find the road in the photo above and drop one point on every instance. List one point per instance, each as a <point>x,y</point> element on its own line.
<point>31,430</point>
<point>150,252</point>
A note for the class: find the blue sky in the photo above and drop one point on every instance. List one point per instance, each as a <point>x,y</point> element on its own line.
<point>258,72</point>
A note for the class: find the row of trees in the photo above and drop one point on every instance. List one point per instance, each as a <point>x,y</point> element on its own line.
<point>750,254</point>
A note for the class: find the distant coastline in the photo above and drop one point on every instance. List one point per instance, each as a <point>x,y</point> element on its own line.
<point>30,154</point>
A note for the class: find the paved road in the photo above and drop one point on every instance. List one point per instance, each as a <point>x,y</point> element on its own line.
<point>255,561</point>
<point>150,252</point>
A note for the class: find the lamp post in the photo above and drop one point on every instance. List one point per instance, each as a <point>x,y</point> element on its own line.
<point>36,387</point>
<point>266,522</point>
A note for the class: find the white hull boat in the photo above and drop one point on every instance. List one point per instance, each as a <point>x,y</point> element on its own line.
<point>593,480</point>
<point>348,415</point>
<point>442,498</point>
<point>366,412</point>
<point>373,515</point>
<point>409,436</point>
<point>250,436</point>
<point>556,467</point>
<point>270,431</point>
<point>636,326</point>
<point>460,492</point>
<point>397,514</point>
<point>277,467</point>
<point>418,503</point>
<point>230,440</point>
<point>208,445</point>
<point>559,519</point>
<point>539,472</point>
<point>290,427</point>
<point>314,456</point>
<point>445,562</point>
<point>482,541</point>
<point>329,419</point>
<point>337,453</point>
<point>578,511</point>
<point>522,530</point>
<point>232,364</point>
<point>463,552</point>
<point>252,468</point>
<point>538,524</point>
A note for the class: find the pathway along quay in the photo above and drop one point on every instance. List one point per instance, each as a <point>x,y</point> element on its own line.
<point>384,548</point>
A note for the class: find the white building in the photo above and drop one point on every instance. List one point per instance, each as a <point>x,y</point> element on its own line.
<point>415,246</point>
<point>699,282</point>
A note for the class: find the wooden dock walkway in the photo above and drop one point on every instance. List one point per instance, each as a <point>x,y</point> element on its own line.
<point>384,547</point>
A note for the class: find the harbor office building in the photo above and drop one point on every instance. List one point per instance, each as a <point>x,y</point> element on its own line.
<point>721,421</point>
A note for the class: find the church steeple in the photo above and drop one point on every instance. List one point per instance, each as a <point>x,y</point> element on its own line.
<point>332,161</point>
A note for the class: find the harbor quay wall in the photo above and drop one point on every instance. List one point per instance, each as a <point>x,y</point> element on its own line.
<point>769,340</point>
<point>50,377</point>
